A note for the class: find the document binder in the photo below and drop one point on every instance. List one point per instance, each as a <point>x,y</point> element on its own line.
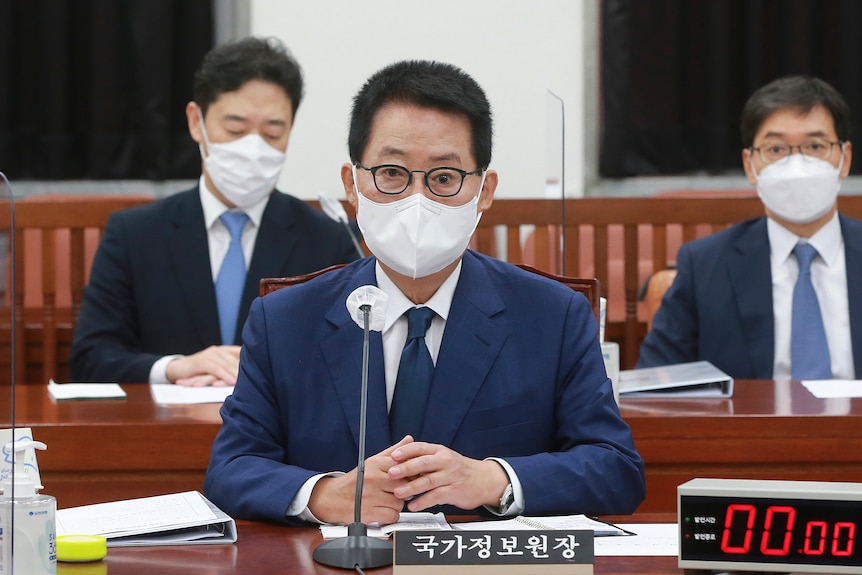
<point>694,379</point>
<point>186,518</point>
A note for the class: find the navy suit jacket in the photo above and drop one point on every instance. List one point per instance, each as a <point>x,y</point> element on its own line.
<point>719,307</point>
<point>519,376</point>
<point>151,291</point>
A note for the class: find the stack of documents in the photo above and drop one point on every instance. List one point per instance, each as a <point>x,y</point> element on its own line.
<point>406,521</point>
<point>436,521</point>
<point>557,522</point>
<point>170,394</point>
<point>61,391</point>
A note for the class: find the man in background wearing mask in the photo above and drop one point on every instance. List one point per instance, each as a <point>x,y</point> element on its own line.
<point>515,413</point>
<point>769,298</point>
<point>172,281</point>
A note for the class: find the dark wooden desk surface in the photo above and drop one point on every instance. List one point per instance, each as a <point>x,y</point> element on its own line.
<point>116,449</point>
<point>105,450</point>
<point>768,430</point>
<point>264,549</point>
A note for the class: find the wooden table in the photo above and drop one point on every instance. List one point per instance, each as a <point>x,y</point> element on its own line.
<point>768,430</point>
<point>106,450</point>
<point>263,549</point>
<point>116,449</point>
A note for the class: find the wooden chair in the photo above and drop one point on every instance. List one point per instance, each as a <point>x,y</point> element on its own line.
<point>590,287</point>
<point>619,241</point>
<point>657,285</point>
<point>55,240</point>
<point>269,285</point>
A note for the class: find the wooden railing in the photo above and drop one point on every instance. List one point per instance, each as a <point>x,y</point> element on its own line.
<point>619,241</point>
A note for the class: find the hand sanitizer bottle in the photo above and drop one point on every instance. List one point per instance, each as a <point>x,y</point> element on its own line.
<point>31,549</point>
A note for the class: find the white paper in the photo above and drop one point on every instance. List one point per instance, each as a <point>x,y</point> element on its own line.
<point>406,521</point>
<point>650,540</point>
<point>6,456</point>
<point>134,516</point>
<point>562,522</point>
<point>834,388</point>
<point>167,394</point>
<point>84,390</point>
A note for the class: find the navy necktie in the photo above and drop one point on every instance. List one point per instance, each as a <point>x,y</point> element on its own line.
<point>414,377</point>
<point>809,351</point>
<point>231,277</point>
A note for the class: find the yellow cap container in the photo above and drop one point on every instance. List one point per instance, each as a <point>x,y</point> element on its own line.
<point>81,548</point>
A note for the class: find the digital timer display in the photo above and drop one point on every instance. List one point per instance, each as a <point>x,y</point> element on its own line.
<point>744,531</point>
<point>770,525</point>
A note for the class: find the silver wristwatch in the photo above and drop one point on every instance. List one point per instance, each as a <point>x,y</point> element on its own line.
<point>507,499</point>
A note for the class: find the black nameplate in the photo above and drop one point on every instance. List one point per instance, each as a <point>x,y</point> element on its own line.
<point>539,552</point>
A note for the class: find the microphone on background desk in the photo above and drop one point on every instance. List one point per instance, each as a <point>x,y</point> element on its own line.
<point>333,208</point>
<point>367,307</point>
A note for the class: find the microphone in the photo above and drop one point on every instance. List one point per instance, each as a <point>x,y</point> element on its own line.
<point>333,208</point>
<point>367,307</point>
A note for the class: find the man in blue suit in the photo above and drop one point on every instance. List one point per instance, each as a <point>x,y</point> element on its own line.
<point>732,301</point>
<point>153,310</point>
<point>516,414</point>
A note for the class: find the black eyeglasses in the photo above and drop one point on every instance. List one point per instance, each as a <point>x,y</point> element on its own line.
<point>816,148</point>
<point>392,179</point>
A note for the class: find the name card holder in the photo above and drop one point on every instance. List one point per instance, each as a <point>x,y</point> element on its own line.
<point>540,552</point>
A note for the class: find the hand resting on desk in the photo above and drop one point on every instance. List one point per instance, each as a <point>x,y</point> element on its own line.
<point>217,365</point>
<point>437,475</point>
<point>426,474</point>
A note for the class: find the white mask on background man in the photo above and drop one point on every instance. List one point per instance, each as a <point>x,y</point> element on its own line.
<point>799,190</point>
<point>245,171</point>
<point>416,236</point>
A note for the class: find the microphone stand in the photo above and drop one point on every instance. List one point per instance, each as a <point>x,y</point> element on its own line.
<point>335,210</point>
<point>353,238</point>
<point>357,549</point>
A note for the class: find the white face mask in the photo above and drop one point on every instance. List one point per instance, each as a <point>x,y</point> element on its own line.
<point>799,190</point>
<point>416,236</point>
<point>245,171</point>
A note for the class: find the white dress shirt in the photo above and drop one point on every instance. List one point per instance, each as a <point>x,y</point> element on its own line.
<point>218,239</point>
<point>394,337</point>
<point>829,276</point>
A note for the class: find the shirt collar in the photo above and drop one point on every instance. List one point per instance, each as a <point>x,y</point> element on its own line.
<point>214,208</point>
<point>398,303</point>
<point>827,240</point>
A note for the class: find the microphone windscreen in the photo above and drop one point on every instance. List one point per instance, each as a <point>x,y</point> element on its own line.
<point>373,296</point>
<point>332,207</point>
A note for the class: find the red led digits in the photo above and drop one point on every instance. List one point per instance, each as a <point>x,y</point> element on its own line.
<point>788,527</point>
<point>728,522</point>
<point>836,539</point>
<point>778,525</point>
<point>821,538</point>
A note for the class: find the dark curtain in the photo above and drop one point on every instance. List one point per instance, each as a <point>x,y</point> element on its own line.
<point>676,73</point>
<point>97,89</point>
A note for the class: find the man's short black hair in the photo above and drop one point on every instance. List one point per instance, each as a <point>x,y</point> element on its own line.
<point>799,93</point>
<point>229,67</point>
<point>427,84</point>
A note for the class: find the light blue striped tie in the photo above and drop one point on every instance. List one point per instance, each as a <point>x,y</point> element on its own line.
<point>809,350</point>
<point>231,277</point>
